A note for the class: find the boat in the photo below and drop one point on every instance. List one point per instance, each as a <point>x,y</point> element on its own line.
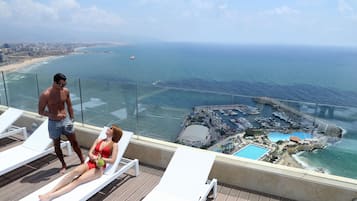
<point>156,82</point>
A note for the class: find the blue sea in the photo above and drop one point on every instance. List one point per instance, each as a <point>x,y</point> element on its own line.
<point>323,75</point>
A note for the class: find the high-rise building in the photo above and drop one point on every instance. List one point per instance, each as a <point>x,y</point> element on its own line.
<point>1,56</point>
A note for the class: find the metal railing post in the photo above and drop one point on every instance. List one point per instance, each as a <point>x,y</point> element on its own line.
<point>3,79</point>
<point>38,86</point>
<point>137,108</point>
<point>81,99</point>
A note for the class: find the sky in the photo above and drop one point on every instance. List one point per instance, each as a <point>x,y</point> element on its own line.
<point>301,22</point>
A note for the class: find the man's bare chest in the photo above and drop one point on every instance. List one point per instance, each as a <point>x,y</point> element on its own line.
<point>57,97</point>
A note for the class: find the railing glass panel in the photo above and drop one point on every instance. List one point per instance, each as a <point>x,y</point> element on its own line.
<point>162,110</point>
<point>21,90</point>
<point>234,121</point>
<point>103,103</point>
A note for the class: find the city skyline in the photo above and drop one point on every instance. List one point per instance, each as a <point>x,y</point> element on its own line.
<point>296,22</point>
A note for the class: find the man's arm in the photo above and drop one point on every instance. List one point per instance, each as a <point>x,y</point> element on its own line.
<point>42,103</point>
<point>69,105</point>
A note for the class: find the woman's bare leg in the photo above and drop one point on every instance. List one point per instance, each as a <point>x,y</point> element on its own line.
<point>85,177</point>
<point>68,178</point>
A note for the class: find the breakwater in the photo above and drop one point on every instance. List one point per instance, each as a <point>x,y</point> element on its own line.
<point>321,126</point>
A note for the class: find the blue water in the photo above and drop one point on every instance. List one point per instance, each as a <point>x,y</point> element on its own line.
<point>251,151</point>
<point>276,136</point>
<point>324,75</point>
<point>174,62</point>
<point>314,74</point>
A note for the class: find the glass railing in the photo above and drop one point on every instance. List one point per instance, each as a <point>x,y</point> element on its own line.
<point>259,128</point>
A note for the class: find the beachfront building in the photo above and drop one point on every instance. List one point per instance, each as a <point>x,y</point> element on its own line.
<point>2,56</point>
<point>195,136</point>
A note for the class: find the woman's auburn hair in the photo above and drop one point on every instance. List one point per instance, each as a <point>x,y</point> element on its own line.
<point>117,133</point>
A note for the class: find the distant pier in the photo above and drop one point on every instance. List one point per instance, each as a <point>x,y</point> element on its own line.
<point>322,126</point>
<point>245,109</point>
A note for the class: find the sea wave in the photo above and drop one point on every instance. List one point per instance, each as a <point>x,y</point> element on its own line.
<point>303,162</point>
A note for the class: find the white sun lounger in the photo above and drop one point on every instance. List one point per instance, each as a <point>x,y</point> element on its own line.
<point>185,178</point>
<point>87,190</point>
<point>7,119</point>
<point>37,145</point>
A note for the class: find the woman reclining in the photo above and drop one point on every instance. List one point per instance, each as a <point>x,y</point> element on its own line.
<point>103,151</point>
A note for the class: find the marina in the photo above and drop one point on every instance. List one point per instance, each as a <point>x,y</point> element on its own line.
<point>253,133</point>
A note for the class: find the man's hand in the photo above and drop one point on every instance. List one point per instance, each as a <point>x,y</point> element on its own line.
<point>61,115</point>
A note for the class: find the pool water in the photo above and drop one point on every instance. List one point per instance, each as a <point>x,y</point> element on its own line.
<point>252,151</point>
<point>276,136</point>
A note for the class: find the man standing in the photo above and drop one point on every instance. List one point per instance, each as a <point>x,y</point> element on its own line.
<point>56,98</point>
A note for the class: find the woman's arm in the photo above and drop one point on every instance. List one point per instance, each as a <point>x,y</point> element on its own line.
<point>113,157</point>
<point>91,151</point>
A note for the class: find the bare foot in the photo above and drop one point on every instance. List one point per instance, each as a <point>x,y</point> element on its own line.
<point>63,170</point>
<point>44,197</point>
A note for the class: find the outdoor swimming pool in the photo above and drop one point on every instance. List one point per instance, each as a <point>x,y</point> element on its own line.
<point>276,136</point>
<point>252,151</point>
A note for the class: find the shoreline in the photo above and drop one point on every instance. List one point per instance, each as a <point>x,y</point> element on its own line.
<point>23,64</point>
<point>290,161</point>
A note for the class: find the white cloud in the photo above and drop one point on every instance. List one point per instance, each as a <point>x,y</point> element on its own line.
<point>29,11</point>
<point>65,4</point>
<point>146,2</point>
<point>222,6</point>
<point>347,9</point>
<point>230,15</point>
<point>95,16</point>
<point>56,12</point>
<point>344,7</point>
<point>282,10</point>
<point>5,10</point>
<point>204,9</point>
<point>202,4</point>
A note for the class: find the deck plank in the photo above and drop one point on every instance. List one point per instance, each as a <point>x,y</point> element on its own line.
<point>273,199</point>
<point>264,198</point>
<point>253,197</point>
<point>233,195</point>
<point>243,196</point>
<point>223,193</point>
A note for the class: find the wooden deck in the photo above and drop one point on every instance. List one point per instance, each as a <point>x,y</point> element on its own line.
<point>20,182</point>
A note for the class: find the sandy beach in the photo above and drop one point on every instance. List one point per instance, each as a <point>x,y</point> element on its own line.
<point>25,63</point>
<point>288,160</point>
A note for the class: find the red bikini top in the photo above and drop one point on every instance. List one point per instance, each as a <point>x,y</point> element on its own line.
<point>105,152</point>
